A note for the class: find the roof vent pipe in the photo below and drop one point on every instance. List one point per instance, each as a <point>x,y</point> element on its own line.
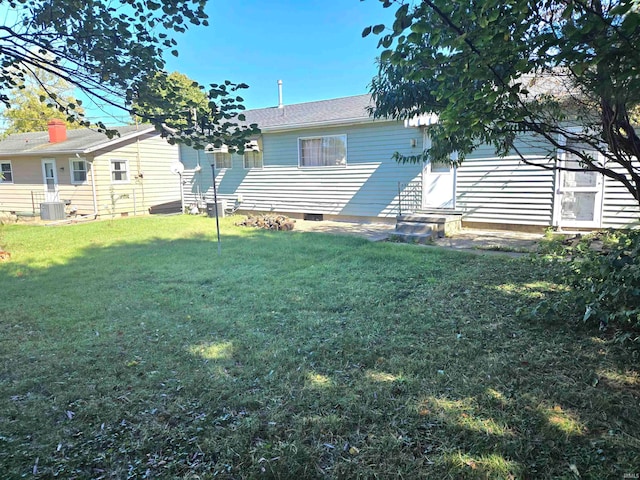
<point>280,104</point>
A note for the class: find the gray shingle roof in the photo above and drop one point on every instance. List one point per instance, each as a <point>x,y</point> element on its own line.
<point>337,110</point>
<point>309,114</point>
<point>78,141</point>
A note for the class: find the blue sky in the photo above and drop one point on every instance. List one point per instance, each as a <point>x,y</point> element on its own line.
<point>314,46</point>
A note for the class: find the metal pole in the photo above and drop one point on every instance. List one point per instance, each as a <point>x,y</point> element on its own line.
<point>215,201</point>
<point>181,195</point>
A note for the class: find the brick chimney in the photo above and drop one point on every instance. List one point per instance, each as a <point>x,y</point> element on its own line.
<point>57,131</point>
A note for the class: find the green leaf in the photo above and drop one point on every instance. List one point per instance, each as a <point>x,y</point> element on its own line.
<point>386,55</point>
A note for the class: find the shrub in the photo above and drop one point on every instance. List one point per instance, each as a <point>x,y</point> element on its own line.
<point>605,273</point>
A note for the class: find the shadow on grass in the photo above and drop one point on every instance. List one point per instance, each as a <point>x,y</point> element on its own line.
<point>296,354</point>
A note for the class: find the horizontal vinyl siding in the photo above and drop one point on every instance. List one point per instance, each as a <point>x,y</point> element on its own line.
<point>619,208</point>
<point>505,190</point>
<point>151,182</point>
<point>367,186</point>
<point>80,196</point>
<point>193,179</point>
<point>27,178</point>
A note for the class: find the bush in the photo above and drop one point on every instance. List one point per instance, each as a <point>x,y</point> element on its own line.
<point>605,273</point>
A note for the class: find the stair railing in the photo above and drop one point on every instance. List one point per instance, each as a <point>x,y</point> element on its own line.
<point>409,197</point>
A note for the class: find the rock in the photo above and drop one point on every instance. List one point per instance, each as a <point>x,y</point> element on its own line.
<point>7,217</point>
<point>268,222</point>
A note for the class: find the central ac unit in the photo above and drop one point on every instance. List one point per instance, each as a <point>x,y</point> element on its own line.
<point>52,211</point>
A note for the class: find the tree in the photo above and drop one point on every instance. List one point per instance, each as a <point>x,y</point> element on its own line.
<point>31,108</point>
<point>186,112</point>
<point>170,96</point>
<point>495,69</point>
<point>108,49</point>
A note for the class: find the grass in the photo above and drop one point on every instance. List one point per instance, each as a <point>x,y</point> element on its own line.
<point>130,349</point>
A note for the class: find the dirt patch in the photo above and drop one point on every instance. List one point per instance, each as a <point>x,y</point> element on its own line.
<point>502,241</point>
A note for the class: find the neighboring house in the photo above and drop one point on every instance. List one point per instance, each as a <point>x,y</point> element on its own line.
<point>88,173</point>
<point>330,158</point>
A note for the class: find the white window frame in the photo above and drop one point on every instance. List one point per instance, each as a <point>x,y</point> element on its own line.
<point>126,170</point>
<point>321,137</point>
<point>2,178</point>
<point>258,153</point>
<point>598,190</point>
<point>223,155</point>
<point>72,170</point>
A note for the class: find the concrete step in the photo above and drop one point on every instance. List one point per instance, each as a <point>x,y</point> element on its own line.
<point>421,218</point>
<point>421,238</point>
<point>443,225</point>
<point>418,227</point>
<point>428,218</point>
<point>438,211</point>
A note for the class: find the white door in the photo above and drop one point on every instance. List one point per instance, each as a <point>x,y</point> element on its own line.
<point>578,195</point>
<point>438,184</point>
<point>50,178</point>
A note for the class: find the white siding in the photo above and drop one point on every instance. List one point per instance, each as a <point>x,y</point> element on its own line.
<point>505,190</point>
<point>619,208</point>
<point>366,187</point>
<point>151,183</point>
<point>196,181</point>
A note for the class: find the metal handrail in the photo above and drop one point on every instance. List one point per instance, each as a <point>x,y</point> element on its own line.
<point>409,196</point>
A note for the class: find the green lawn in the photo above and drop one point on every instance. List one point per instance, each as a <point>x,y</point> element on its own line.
<point>130,349</point>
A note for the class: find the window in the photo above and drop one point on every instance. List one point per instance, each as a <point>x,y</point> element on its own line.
<point>119,171</point>
<point>78,170</point>
<point>586,178</point>
<point>222,160</point>
<point>6,173</point>
<point>252,159</point>
<point>440,167</point>
<point>329,151</point>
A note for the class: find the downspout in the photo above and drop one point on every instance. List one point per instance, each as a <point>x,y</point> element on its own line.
<point>93,188</point>
<point>200,199</point>
<point>140,176</point>
<point>454,157</point>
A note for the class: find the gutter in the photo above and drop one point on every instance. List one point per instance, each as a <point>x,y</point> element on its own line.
<point>322,123</point>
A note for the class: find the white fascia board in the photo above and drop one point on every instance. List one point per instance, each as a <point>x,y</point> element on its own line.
<point>331,123</point>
